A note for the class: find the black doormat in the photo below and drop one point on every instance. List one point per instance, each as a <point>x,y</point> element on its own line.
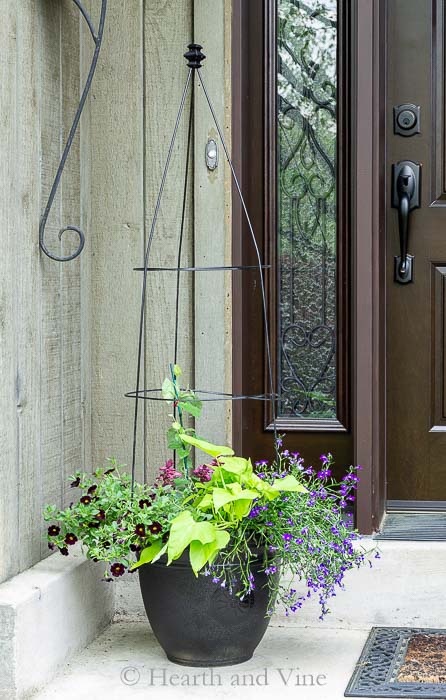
<point>401,662</point>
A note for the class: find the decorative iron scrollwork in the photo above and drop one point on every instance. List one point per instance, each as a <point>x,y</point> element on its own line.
<point>97,39</point>
<point>307,132</point>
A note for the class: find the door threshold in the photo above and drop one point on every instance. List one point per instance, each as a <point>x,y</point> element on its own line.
<point>416,507</point>
<point>412,525</point>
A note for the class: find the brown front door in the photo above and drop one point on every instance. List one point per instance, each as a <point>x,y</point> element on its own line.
<point>291,131</point>
<point>293,111</point>
<point>416,311</point>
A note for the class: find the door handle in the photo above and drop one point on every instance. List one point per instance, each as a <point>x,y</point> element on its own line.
<point>406,186</point>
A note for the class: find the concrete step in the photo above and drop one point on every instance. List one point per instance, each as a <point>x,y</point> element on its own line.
<point>406,587</point>
<point>299,656</point>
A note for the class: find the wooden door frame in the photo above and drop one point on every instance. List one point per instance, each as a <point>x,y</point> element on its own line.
<point>369,118</point>
<point>368,203</point>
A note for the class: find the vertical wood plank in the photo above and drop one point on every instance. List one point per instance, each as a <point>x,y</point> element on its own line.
<point>51,377</point>
<point>26,208</point>
<point>86,257</point>
<point>8,434</point>
<point>113,198</point>
<point>167,31</point>
<point>212,302</point>
<point>71,289</point>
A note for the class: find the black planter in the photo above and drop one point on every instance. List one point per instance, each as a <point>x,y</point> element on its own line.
<point>196,621</point>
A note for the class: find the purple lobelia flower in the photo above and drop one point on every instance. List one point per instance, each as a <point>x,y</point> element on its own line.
<point>324,473</point>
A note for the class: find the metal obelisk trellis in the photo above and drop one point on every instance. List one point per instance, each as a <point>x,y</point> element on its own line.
<point>194,58</point>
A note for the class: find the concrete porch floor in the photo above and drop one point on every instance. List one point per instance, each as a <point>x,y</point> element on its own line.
<point>405,588</point>
<point>126,662</point>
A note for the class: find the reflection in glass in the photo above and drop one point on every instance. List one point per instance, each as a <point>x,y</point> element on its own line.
<point>306,87</point>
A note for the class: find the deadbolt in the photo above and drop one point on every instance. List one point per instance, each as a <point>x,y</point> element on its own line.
<point>406,119</point>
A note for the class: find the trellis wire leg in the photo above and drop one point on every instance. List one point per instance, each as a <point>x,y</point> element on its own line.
<point>180,250</point>
<point>146,261</point>
<point>262,283</point>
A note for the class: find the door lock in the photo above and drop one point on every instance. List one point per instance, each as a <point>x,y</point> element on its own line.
<point>406,191</point>
<point>406,119</point>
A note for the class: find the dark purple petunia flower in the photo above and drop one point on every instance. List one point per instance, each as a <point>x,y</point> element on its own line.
<point>70,538</point>
<point>155,528</point>
<point>53,530</point>
<point>85,500</point>
<point>75,483</point>
<point>140,530</point>
<point>117,569</point>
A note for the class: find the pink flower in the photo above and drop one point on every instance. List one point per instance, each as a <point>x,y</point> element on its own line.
<point>168,473</point>
<point>203,473</point>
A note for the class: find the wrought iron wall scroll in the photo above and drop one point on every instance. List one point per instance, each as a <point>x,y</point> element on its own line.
<point>97,39</point>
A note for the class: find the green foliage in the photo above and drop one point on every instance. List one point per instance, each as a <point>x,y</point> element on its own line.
<point>224,501</point>
<point>106,523</point>
<point>218,513</point>
<point>182,400</point>
<point>207,447</point>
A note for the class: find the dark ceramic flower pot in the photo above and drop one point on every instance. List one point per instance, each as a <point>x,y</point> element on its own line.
<point>196,621</point>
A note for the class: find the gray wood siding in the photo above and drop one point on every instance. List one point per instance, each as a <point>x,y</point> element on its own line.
<point>68,331</point>
<point>41,434</point>
<point>137,91</point>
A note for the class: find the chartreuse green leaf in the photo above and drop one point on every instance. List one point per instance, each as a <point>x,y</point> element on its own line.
<point>260,485</point>
<point>200,554</point>
<point>207,447</point>
<point>160,554</point>
<point>149,553</point>
<point>204,502</point>
<point>235,465</point>
<point>183,531</point>
<point>203,538</point>
<point>222,538</point>
<point>241,507</point>
<point>223,496</point>
<point>289,483</point>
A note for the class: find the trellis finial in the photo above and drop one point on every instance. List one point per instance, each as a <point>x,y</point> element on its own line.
<point>194,56</point>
